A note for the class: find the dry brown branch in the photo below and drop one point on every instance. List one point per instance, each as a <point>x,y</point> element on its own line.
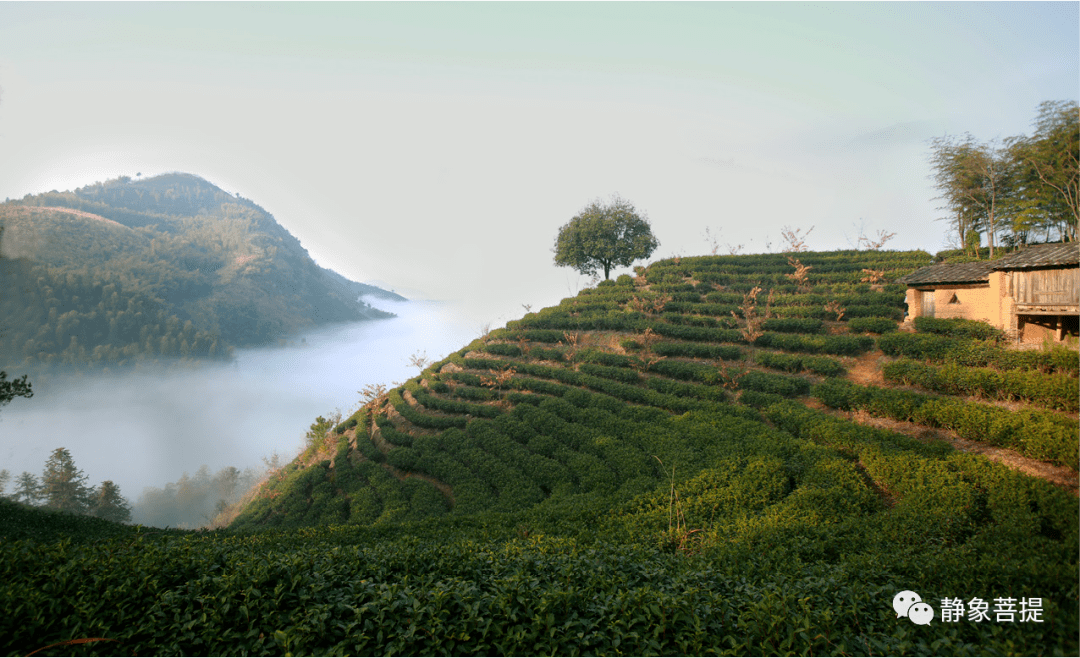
<point>419,360</point>
<point>800,277</point>
<point>372,396</point>
<point>500,379</point>
<point>730,378</point>
<point>648,338</point>
<point>834,307</point>
<point>769,302</point>
<point>795,239</point>
<point>649,306</point>
<point>712,240</point>
<point>874,245</point>
<point>751,329</point>
<point>873,276</point>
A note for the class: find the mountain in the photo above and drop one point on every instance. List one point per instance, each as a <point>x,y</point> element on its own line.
<point>167,267</point>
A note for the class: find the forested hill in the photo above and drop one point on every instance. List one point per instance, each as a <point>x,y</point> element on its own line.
<point>162,268</point>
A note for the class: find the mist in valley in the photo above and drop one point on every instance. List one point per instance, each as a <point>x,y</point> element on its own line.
<point>148,429</point>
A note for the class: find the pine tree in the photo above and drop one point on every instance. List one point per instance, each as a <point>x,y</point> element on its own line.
<point>107,503</point>
<point>64,486</point>
<point>5,477</point>
<point>27,489</point>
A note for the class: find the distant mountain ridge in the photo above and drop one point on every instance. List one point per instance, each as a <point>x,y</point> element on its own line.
<point>171,266</point>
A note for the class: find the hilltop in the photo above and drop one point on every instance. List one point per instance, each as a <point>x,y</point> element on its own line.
<point>727,454</point>
<point>162,268</point>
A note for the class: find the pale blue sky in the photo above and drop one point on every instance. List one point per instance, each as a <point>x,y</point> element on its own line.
<point>438,147</point>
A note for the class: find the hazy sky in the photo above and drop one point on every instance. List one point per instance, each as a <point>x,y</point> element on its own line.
<point>438,147</point>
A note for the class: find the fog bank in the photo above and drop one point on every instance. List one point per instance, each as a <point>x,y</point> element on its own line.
<point>148,428</point>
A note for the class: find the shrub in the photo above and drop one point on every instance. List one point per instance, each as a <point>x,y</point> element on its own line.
<point>1037,434</point>
<point>820,365</point>
<point>794,325</point>
<point>1054,391</point>
<point>958,327</point>
<point>872,325</point>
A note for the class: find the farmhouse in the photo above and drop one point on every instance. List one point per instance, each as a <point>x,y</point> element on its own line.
<point>1032,294</point>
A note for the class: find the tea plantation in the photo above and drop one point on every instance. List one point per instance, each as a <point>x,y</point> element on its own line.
<point>661,465</point>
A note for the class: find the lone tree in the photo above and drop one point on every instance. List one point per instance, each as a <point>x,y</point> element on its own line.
<point>604,236</point>
<point>107,503</point>
<point>63,485</point>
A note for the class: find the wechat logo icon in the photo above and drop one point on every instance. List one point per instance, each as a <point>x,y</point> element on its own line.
<point>909,604</point>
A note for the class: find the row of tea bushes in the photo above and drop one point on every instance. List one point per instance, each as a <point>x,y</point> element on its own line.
<point>978,353</point>
<point>958,328</point>
<point>1037,434</point>
<point>819,365</point>
<point>873,325</point>
<point>1053,391</point>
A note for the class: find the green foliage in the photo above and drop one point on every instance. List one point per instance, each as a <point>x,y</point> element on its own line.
<point>603,236</point>
<point>1037,434</point>
<point>16,388</point>
<point>195,499</point>
<point>872,325</point>
<point>978,353</point>
<point>107,503</point>
<point>63,485</point>
<point>1046,172</point>
<point>794,325</point>
<point>840,345</point>
<point>819,365</point>
<point>959,328</point>
<point>1054,391</point>
<point>599,502</point>
<point>168,268</point>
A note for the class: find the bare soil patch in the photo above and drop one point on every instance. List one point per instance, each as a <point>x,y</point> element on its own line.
<point>867,369</point>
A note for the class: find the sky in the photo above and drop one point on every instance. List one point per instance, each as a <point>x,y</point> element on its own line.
<point>436,149</point>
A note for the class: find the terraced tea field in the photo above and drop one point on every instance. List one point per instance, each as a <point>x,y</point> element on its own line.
<point>670,463</point>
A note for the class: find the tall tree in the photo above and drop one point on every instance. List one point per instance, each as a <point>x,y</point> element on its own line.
<point>603,236</point>
<point>974,181</point>
<point>27,489</point>
<point>5,477</point>
<point>1047,166</point>
<point>107,503</point>
<point>63,485</point>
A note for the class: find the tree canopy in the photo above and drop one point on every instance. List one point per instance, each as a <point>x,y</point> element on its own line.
<point>63,485</point>
<point>603,236</point>
<point>1015,189</point>
<point>15,388</point>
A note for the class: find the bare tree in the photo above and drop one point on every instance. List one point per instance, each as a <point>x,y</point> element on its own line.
<point>420,360</point>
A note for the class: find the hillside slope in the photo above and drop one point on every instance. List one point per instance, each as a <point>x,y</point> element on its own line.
<point>637,471</point>
<point>168,267</point>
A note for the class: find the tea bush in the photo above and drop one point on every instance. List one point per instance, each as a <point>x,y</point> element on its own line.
<point>1051,391</point>
<point>819,365</point>
<point>959,328</point>
<point>1037,434</point>
<point>872,325</point>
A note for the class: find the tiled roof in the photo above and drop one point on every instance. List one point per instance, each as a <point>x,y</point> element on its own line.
<point>1037,255</point>
<point>1041,255</point>
<point>975,272</point>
